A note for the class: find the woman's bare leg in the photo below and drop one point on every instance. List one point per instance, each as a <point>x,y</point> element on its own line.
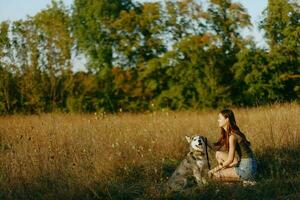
<point>222,156</point>
<point>228,174</point>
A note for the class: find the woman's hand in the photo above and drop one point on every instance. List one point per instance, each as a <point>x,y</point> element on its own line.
<point>214,170</point>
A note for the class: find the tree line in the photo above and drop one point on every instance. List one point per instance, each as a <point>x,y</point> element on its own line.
<point>148,56</point>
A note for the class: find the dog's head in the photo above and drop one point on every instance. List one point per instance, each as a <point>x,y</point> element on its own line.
<point>197,143</point>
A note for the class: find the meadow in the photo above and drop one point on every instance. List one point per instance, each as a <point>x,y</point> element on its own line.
<point>130,155</point>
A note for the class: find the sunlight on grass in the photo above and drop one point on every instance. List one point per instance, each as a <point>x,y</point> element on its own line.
<point>102,155</point>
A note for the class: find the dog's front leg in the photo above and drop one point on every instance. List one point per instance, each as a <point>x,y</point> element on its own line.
<point>204,173</point>
<point>197,175</point>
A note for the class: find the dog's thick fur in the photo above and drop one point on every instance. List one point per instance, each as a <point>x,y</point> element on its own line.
<point>195,163</point>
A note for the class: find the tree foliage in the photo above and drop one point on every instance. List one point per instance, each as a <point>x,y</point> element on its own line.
<point>282,27</point>
<point>148,56</point>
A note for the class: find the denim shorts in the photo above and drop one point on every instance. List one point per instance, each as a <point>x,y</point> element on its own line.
<point>246,169</point>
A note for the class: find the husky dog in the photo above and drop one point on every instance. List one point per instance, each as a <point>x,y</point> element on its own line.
<point>196,163</point>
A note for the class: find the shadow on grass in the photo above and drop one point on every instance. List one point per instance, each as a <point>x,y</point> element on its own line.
<point>278,178</point>
<point>278,163</point>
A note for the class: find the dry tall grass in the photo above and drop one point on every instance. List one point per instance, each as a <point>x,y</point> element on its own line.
<point>64,154</point>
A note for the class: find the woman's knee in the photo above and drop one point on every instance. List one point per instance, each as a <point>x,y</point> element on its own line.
<point>236,159</point>
<point>218,154</point>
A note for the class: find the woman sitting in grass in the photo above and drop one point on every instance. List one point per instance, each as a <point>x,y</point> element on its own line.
<point>232,167</point>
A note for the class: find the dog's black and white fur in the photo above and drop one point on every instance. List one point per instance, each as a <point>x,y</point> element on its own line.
<point>195,163</point>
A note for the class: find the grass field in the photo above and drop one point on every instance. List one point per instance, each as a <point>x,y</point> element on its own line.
<point>130,156</point>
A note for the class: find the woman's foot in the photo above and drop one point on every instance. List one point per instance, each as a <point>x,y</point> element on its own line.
<point>249,183</point>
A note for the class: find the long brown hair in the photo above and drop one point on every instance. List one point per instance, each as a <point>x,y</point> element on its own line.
<point>233,128</point>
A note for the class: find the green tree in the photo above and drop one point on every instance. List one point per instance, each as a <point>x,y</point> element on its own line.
<point>92,28</point>
<point>282,27</point>
<point>55,41</point>
<point>182,19</point>
<point>137,35</point>
<point>226,19</point>
<point>42,53</point>
<point>8,92</point>
<point>252,76</point>
<point>25,46</point>
<point>167,80</point>
<point>83,97</point>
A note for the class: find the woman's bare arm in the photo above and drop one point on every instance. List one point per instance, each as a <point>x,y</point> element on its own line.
<point>230,159</point>
<point>231,153</point>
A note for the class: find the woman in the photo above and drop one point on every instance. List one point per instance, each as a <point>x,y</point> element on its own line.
<point>232,167</point>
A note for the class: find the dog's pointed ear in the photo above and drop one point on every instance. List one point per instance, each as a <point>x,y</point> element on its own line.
<point>188,139</point>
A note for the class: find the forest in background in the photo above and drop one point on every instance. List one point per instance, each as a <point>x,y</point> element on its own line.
<point>148,56</point>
